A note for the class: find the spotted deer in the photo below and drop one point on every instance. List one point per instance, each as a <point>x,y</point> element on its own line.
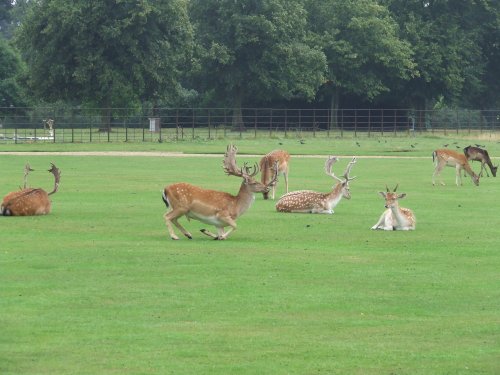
<point>30,201</point>
<point>450,158</point>
<point>213,207</point>
<point>395,217</point>
<point>279,158</point>
<point>308,201</point>
<point>478,154</point>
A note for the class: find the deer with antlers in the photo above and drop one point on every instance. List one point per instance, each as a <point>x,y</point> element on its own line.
<point>277,159</point>
<point>308,201</point>
<point>30,201</point>
<point>444,157</point>
<point>212,207</point>
<point>478,154</point>
<point>395,217</point>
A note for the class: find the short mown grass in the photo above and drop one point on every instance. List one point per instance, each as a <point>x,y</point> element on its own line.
<point>98,287</point>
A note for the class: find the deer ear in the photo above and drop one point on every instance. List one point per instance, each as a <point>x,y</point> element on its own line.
<point>382,193</point>
<point>401,196</point>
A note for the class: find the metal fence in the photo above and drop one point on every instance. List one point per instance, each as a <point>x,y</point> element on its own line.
<point>76,125</point>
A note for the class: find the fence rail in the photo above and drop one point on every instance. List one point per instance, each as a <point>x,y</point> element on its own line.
<point>75,125</point>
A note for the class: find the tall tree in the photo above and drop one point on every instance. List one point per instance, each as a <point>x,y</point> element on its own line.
<point>11,70</point>
<point>456,49</point>
<point>105,53</point>
<point>364,51</point>
<point>256,48</point>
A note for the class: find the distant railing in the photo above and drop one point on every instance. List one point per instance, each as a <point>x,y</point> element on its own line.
<point>76,125</point>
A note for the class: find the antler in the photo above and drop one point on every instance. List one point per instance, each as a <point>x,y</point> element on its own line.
<point>275,174</point>
<point>388,190</point>
<point>348,169</point>
<point>57,176</point>
<point>328,167</point>
<point>230,167</point>
<point>27,170</point>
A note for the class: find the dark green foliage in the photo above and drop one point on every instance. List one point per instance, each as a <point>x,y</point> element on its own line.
<point>110,54</point>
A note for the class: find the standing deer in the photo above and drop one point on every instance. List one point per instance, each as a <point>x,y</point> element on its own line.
<point>30,201</point>
<point>275,159</point>
<point>450,158</point>
<point>395,217</point>
<point>213,207</point>
<point>478,154</point>
<point>308,201</point>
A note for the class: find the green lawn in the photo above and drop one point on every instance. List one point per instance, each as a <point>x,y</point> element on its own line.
<point>98,287</point>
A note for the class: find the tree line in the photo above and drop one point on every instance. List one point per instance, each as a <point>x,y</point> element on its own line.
<point>417,54</point>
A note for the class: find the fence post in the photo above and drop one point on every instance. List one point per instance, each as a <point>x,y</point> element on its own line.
<point>254,123</point>
<point>192,123</point>
<point>369,122</point>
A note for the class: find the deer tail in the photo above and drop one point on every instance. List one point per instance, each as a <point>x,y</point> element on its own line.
<point>164,197</point>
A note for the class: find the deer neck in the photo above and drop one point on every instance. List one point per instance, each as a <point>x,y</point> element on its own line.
<point>244,199</point>
<point>336,194</point>
<point>468,169</point>
<point>398,215</point>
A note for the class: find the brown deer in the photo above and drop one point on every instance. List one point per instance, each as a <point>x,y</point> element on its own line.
<point>308,201</point>
<point>450,158</point>
<point>395,217</point>
<point>478,154</point>
<point>30,201</point>
<point>213,207</point>
<point>267,165</point>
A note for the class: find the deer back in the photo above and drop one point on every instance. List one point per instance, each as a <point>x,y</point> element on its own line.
<point>277,159</point>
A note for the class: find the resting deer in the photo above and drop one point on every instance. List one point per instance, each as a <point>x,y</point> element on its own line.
<point>30,201</point>
<point>308,201</point>
<point>213,207</point>
<point>478,154</point>
<point>395,217</point>
<point>450,158</point>
<point>267,166</point>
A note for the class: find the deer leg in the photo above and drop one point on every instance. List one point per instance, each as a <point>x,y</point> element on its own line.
<point>384,222</point>
<point>172,217</point>
<point>209,234</point>
<point>226,221</point>
<point>486,170</point>
<point>285,177</point>
<point>437,172</point>
<point>458,175</point>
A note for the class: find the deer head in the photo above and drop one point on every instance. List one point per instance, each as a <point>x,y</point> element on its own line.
<point>246,172</point>
<point>391,198</point>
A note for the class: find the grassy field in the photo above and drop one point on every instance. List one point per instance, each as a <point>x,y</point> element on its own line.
<point>98,287</point>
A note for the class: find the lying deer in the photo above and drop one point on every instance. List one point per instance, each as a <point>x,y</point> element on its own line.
<point>30,201</point>
<point>308,201</point>
<point>267,166</point>
<point>395,217</point>
<point>450,158</point>
<point>478,154</point>
<point>213,207</point>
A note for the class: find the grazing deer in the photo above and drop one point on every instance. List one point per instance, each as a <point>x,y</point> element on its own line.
<point>308,201</point>
<point>30,201</point>
<point>275,159</point>
<point>213,207</point>
<point>478,154</point>
<point>444,157</point>
<point>395,217</point>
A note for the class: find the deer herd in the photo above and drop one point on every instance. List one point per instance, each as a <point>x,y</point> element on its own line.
<point>222,209</point>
